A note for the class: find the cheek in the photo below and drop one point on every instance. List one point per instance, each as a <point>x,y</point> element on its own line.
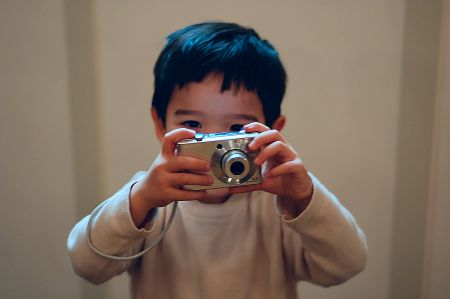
<point>171,124</point>
<point>217,193</point>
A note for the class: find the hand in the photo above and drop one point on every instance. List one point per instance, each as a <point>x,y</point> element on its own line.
<point>162,184</point>
<point>284,174</point>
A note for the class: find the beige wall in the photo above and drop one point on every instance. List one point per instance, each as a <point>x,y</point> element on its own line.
<point>414,139</point>
<point>37,191</point>
<point>436,280</point>
<point>76,80</point>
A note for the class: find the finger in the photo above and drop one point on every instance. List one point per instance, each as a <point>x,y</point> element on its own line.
<point>181,179</point>
<point>243,189</point>
<point>171,138</point>
<point>256,127</point>
<point>265,138</point>
<point>186,163</point>
<point>285,168</point>
<point>277,148</point>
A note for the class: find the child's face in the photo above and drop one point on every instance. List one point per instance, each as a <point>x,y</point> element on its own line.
<point>204,108</point>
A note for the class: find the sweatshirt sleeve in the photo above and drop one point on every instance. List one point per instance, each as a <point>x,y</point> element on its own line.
<point>113,232</point>
<point>324,244</point>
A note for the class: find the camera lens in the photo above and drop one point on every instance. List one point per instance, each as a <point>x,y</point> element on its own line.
<point>235,165</point>
<point>237,168</point>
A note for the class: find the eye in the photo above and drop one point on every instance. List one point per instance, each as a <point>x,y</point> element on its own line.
<point>236,127</point>
<point>192,124</point>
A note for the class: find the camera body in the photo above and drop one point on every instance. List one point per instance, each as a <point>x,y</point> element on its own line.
<point>231,160</point>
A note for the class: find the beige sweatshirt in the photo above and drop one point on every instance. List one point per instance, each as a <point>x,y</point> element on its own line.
<point>239,249</point>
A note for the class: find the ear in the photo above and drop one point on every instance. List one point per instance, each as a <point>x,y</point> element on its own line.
<point>279,123</point>
<point>160,129</point>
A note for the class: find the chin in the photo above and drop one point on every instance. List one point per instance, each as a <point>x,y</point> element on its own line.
<point>216,195</point>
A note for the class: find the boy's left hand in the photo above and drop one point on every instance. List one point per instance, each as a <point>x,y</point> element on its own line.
<point>284,174</point>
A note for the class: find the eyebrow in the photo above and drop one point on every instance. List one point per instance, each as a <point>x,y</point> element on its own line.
<point>188,112</point>
<point>230,115</point>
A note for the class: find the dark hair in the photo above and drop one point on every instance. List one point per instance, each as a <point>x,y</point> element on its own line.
<point>235,52</point>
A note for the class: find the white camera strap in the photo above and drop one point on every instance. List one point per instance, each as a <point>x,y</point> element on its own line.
<point>134,256</point>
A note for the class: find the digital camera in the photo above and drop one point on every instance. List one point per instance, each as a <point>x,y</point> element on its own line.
<point>231,160</point>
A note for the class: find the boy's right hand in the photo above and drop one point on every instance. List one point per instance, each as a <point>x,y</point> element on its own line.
<point>163,182</point>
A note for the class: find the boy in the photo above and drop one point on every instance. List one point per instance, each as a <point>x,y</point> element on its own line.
<point>244,242</point>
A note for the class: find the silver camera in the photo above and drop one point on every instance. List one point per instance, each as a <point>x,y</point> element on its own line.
<point>231,160</point>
